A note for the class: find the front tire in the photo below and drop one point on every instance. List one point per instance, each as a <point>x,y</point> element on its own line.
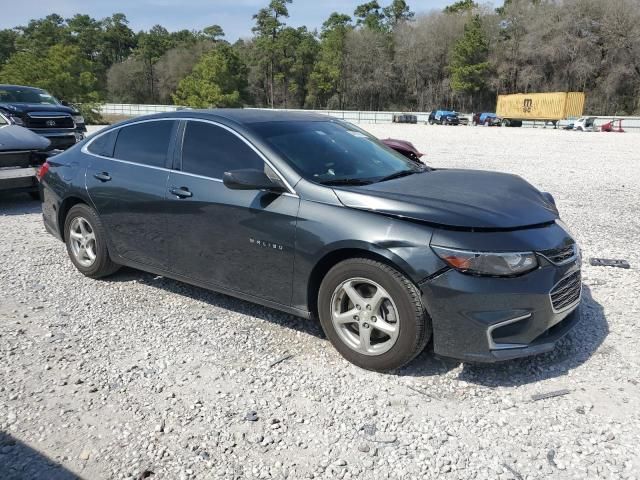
<point>372,314</point>
<point>86,242</point>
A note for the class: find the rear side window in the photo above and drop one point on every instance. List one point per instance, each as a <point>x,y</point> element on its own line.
<point>209,150</point>
<point>103,145</point>
<point>146,143</point>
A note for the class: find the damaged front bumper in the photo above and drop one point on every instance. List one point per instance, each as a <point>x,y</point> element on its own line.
<point>482,319</point>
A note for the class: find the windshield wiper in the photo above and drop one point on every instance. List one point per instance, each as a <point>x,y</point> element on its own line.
<point>401,173</point>
<point>347,181</point>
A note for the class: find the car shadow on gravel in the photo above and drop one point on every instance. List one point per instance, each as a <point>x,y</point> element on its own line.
<point>580,344</point>
<point>18,461</point>
<point>572,351</point>
<point>219,300</point>
<point>18,204</point>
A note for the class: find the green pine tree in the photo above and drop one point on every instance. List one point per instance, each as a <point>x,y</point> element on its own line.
<point>219,79</point>
<point>470,59</point>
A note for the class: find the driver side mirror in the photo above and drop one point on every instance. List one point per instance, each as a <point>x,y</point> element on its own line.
<point>65,103</point>
<point>251,179</point>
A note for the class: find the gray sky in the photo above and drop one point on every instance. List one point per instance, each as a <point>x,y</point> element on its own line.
<point>233,15</point>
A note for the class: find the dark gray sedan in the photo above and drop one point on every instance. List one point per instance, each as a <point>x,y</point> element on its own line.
<point>315,217</point>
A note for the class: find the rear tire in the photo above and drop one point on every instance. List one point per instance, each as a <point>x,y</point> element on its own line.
<point>372,314</point>
<point>86,242</point>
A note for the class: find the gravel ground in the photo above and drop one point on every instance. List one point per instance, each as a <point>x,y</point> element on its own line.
<point>138,376</point>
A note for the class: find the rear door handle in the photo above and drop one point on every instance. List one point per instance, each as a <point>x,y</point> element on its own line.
<point>103,176</point>
<point>182,192</point>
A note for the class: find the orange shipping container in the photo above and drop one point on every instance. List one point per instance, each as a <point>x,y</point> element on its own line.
<point>540,106</point>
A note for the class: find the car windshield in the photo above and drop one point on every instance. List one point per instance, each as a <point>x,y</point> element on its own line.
<point>26,95</point>
<point>334,153</point>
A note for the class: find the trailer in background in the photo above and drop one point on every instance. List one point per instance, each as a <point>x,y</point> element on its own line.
<point>545,107</point>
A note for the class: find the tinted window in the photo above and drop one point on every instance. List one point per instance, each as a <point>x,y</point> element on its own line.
<point>146,143</point>
<point>210,151</point>
<point>104,144</point>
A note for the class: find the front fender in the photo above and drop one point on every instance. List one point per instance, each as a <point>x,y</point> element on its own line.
<point>327,233</point>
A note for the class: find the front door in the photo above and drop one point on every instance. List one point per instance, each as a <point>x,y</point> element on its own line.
<point>234,239</point>
<point>127,183</point>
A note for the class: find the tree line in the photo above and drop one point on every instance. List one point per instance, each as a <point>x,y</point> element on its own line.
<point>378,57</point>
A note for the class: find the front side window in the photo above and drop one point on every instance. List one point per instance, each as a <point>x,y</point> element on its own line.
<point>210,150</point>
<point>146,143</point>
<point>330,152</point>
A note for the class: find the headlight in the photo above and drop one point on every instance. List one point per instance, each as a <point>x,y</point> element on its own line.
<point>502,264</point>
<point>78,119</point>
<point>16,120</point>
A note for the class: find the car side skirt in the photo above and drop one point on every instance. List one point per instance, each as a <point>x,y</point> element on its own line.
<point>214,287</point>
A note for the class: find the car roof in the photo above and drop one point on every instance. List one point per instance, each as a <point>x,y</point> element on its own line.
<point>6,85</point>
<point>242,116</point>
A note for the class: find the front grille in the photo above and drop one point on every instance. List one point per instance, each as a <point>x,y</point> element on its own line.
<point>566,292</point>
<point>15,159</point>
<point>62,143</point>
<point>560,255</point>
<point>50,122</point>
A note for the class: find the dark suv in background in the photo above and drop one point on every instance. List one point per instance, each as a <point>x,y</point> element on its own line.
<point>443,117</point>
<point>43,114</point>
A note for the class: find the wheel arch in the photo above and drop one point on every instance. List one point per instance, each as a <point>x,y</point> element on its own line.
<point>332,258</point>
<point>64,208</point>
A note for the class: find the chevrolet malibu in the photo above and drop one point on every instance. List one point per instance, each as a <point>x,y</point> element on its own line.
<point>313,216</point>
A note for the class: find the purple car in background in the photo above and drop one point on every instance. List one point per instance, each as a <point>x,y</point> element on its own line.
<point>404,147</point>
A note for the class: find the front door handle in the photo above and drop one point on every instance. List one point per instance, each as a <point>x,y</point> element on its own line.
<point>182,192</point>
<point>102,176</point>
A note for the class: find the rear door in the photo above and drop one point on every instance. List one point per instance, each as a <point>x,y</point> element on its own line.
<point>127,181</point>
<point>239,240</point>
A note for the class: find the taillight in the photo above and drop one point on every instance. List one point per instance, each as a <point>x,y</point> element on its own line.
<point>42,171</point>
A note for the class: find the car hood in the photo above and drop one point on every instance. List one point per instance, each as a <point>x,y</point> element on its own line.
<point>456,198</point>
<point>35,107</point>
<point>14,137</point>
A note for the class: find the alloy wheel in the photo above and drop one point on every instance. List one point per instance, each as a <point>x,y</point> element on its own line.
<point>364,316</point>
<point>83,241</point>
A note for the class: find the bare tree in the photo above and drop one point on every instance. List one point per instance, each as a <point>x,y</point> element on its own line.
<point>422,52</point>
<point>368,69</point>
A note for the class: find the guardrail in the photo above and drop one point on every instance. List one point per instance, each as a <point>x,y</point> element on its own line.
<point>354,116</point>
<point>133,110</point>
